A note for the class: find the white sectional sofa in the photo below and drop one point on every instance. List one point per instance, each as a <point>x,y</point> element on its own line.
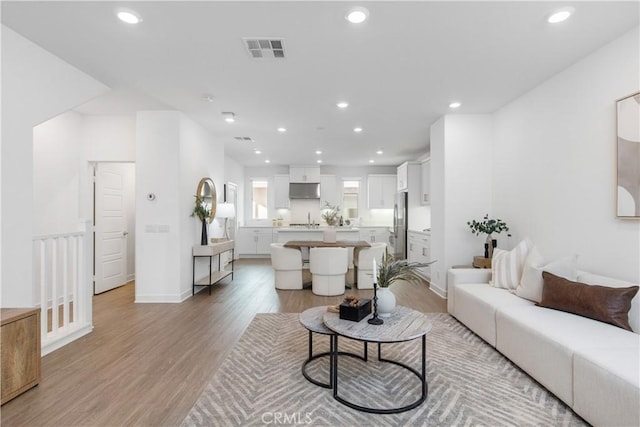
<point>594,367</point>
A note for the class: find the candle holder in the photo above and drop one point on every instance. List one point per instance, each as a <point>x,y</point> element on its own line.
<point>375,320</point>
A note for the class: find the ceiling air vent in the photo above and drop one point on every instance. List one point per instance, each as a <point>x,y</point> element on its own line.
<point>243,138</point>
<point>263,48</point>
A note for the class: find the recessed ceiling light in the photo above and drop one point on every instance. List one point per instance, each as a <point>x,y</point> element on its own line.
<point>357,129</point>
<point>318,152</point>
<point>454,105</point>
<point>129,16</point>
<point>560,15</point>
<point>282,129</point>
<point>371,161</point>
<point>342,104</point>
<point>229,117</point>
<point>267,161</point>
<point>207,97</point>
<point>258,152</point>
<point>319,161</point>
<point>357,15</point>
<point>379,152</point>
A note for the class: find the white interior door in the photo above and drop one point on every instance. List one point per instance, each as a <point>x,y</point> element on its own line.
<point>110,228</point>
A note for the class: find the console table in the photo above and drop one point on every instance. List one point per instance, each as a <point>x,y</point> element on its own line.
<point>209,251</point>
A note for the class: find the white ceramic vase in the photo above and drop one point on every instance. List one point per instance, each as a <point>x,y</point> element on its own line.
<point>329,234</point>
<point>386,302</point>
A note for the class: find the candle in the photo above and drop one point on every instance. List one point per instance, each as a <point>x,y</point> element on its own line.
<point>375,272</point>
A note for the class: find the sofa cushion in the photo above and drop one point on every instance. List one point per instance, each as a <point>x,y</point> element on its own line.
<point>476,306</point>
<point>506,266</point>
<point>530,286</point>
<point>595,279</point>
<point>542,342</point>
<point>606,304</point>
<point>606,385</point>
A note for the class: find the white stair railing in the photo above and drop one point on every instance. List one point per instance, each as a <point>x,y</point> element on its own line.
<point>63,287</point>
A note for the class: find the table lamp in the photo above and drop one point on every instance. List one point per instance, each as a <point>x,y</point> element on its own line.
<point>226,211</point>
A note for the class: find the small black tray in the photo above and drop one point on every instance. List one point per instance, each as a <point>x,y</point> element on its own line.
<point>355,314</point>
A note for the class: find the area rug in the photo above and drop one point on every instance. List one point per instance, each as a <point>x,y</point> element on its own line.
<point>469,382</point>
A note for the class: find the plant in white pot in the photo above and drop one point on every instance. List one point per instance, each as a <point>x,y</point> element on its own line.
<point>390,271</point>
<point>330,214</point>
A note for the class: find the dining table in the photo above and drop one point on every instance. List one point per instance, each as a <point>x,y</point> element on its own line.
<point>355,244</point>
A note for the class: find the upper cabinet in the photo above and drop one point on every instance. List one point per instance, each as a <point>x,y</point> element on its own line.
<point>329,190</point>
<point>304,173</point>
<point>281,191</point>
<point>403,177</point>
<point>425,195</point>
<point>381,191</point>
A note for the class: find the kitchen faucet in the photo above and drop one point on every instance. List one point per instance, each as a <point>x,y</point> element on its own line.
<point>309,219</point>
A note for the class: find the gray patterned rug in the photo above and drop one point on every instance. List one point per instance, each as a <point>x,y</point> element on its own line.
<point>470,383</point>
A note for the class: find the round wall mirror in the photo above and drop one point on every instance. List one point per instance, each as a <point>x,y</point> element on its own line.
<point>207,192</point>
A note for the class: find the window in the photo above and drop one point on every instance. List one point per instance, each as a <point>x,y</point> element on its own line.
<point>350,192</point>
<point>259,199</point>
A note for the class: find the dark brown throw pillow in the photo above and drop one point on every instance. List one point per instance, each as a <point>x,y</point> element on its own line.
<point>609,305</point>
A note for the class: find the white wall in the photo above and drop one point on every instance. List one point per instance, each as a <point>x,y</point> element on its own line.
<point>57,144</point>
<point>36,86</point>
<point>173,153</point>
<point>461,190</point>
<point>554,163</point>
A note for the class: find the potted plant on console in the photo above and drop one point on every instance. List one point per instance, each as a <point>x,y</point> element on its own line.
<point>202,211</point>
<point>488,227</point>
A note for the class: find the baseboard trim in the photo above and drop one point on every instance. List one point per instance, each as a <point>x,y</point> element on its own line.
<point>437,290</point>
<point>160,299</point>
<point>48,347</point>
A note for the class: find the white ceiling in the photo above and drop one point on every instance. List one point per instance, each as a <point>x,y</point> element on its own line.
<point>399,70</point>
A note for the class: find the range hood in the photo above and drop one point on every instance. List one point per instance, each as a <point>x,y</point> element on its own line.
<point>304,190</point>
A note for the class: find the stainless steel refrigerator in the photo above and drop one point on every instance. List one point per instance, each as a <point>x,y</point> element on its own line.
<point>400,212</point>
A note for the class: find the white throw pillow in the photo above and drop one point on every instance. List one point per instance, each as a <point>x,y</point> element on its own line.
<point>506,266</point>
<point>531,283</point>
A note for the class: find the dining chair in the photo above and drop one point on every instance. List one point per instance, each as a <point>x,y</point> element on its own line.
<point>287,264</point>
<point>365,263</point>
<point>328,270</point>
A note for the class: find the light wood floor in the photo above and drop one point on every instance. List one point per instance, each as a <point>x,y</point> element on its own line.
<point>146,364</point>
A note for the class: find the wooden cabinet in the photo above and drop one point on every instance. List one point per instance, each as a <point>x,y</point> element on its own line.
<point>255,240</point>
<point>419,250</point>
<point>381,191</point>
<point>403,177</point>
<point>19,351</point>
<point>281,191</point>
<point>425,195</point>
<point>304,173</point>
<point>329,190</point>
<point>374,234</point>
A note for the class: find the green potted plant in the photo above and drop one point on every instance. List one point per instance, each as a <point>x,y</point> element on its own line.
<point>330,215</point>
<point>488,227</point>
<point>203,212</point>
<point>390,271</point>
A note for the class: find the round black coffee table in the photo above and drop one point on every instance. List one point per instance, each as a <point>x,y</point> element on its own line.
<point>404,324</point>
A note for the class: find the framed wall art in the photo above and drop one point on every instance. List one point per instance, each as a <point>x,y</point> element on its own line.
<point>628,161</point>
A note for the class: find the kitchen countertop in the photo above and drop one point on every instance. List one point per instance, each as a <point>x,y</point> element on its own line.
<point>424,233</point>
<point>315,229</point>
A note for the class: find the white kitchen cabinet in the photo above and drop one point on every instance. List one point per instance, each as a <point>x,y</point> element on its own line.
<point>419,250</point>
<point>403,177</point>
<point>375,234</point>
<point>304,174</point>
<point>425,195</point>
<point>281,191</point>
<point>329,190</point>
<point>381,191</point>
<point>254,241</point>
